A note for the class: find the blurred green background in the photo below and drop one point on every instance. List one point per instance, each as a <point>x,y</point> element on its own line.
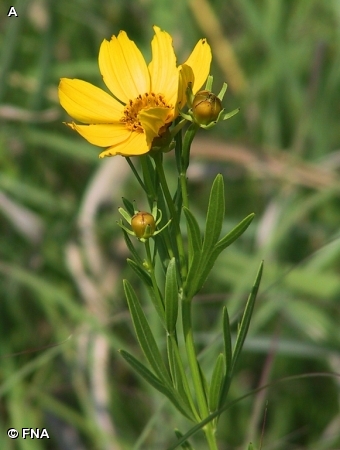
<point>62,258</point>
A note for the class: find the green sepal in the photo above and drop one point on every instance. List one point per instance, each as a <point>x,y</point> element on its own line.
<point>245,321</point>
<point>215,215</point>
<point>222,91</point>
<point>194,237</point>
<point>144,334</point>
<point>125,214</point>
<point>228,115</point>
<point>185,445</point>
<point>216,384</point>
<point>209,83</point>
<point>155,382</point>
<point>171,296</point>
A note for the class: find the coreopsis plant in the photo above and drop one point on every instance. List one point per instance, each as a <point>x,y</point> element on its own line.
<point>150,106</point>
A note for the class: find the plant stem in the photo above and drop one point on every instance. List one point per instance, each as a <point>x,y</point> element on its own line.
<point>175,216</point>
<point>195,373</point>
<point>151,271</point>
<point>184,160</point>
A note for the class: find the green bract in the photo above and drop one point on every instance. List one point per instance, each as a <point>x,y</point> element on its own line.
<point>205,108</point>
<point>143,223</point>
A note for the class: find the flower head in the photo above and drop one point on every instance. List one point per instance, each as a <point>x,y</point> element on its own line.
<point>147,98</point>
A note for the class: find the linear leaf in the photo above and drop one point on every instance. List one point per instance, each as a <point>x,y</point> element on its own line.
<point>228,352</point>
<point>185,445</point>
<point>144,334</point>
<point>215,214</point>
<point>131,247</point>
<point>227,340</point>
<point>234,234</point>
<point>148,376</point>
<point>179,376</point>
<point>171,297</point>
<point>244,325</point>
<point>216,384</point>
<point>206,262</point>
<point>141,272</point>
<point>194,235</point>
<point>128,206</point>
<point>145,277</point>
<point>145,372</point>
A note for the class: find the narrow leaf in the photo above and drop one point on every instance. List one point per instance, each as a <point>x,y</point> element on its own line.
<point>216,384</point>
<point>194,235</point>
<point>128,206</point>
<point>244,326</point>
<point>228,357</point>
<point>145,373</point>
<point>148,376</point>
<point>179,376</point>
<point>207,260</point>
<point>171,297</point>
<point>132,249</point>
<point>140,271</point>
<point>156,299</point>
<point>227,340</point>
<point>185,445</point>
<point>215,214</point>
<point>235,233</point>
<point>144,334</point>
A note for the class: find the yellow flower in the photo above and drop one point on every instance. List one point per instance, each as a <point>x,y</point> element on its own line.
<point>146,97</point>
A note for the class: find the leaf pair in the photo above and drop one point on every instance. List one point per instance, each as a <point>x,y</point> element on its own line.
<point>202,255</point>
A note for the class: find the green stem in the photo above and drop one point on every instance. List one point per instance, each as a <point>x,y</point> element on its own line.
<point>148,182</point>
<point>174,215</point>
<point>188,138</point>
<point>209,429</point>
<point>152,274</point>
<point>136,174</point>
<point>184,161</point>
<point>150,191</point>
<point>184,189</point>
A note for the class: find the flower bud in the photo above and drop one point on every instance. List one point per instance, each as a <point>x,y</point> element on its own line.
<point>206,107</point>
<point>143,224</point>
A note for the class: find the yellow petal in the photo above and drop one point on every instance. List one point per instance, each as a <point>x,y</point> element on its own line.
<point>102,135</point>
<point>186,76</point>
<point>87,103</point>
<point>135,145</point>
<point>123,68</point>
<point>152,119</point>
<point>163,67</point>
<point>199,61</point>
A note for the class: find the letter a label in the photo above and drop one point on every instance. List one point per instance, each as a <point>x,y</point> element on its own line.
<point>12,12</point>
